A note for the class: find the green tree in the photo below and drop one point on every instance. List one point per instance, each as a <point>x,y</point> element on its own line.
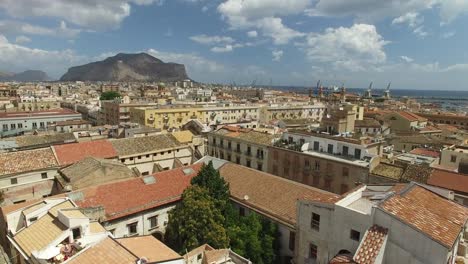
<point>110,95</point>
<point>217,187</point>
<point>196,221</point>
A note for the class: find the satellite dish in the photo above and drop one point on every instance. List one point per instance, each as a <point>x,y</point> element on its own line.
<point>246,197</point>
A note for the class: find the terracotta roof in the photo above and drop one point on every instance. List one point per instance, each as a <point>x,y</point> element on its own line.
<point>269,194</point>
<point>47,139</point>
<point>93,171</point>
<point>132,146</point>
<point>388,170</point>
<point>183,136</point>
<point>107,251</point>
<point>449,180</point>
<point>246,134</point>
<point>42,232</point>
<point>440,219</point>
<point>27,160</point>
<point>417,173</point>
<point>150,248</point>
<point>70,153</point>
<point>342,259</point>
<point>168,187</point>
<point>411,116</point>
<point>367,122</point>
<point>371,245</point>
<point>425,152</point>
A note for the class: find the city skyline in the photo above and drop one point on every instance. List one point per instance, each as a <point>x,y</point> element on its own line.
<point>415,45</point>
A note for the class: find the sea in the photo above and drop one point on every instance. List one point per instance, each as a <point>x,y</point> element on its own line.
<point>447,100</point>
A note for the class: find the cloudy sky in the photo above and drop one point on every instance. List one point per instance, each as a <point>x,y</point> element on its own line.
<point>417,44</point>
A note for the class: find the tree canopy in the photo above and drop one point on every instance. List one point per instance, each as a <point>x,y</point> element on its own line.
<point>110,95</point>
<point>196,221</point>
<point>205,215</point>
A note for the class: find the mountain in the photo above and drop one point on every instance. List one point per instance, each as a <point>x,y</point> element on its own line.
<point>26,76</point>
<point>127,67</point>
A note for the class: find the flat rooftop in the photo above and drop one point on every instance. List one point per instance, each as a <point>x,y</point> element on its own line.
<point>55,112</point>
<point>343,159</point>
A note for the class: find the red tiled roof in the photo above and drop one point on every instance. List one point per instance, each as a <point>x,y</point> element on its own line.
<point>411,116</point>
<point>269,194</point>
<point>371,245</point>
<point>425,152</point>
<point>138,196</point>
<point>70,153</point>
<point>449,180</point>
<point>439,218</point>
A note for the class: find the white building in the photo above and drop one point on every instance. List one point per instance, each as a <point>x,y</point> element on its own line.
<point>383,224</point>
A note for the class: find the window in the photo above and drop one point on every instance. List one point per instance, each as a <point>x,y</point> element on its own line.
<point>317,165</point>
<point>44,175</point>
<point>249,151</point>
<point>345,171</point>
<point>199,257</point>
<point>248,163</point>
<point>354,235</point>
<point>214,141</point>
<point>241,211</point>
<point>345,151</point>
<point>122,160</point>
<point>330,148</point>
<point>76,233</point>
<point>259,167</point>
<point>33,219</point>
<point>153,221</point>
<point>13,126</point>
<point>453,158</point>
<point>5,127</point>
<point>147,155</point>
<point>132,228</point>
<point>229,157</point>
<point>292,240</point>
<point>316,145</point>
<point>357,154</point>
<point>229,144</point>
<point>313,251</point>
<point>238,147</point>
<point>145,173</point>
<point>290,140</point>
<point>306,164</point>
<point>34,124</point>
<point>14,180</point>
<point>315,222</point>
<point>238,160</point>
<point>41,124</point>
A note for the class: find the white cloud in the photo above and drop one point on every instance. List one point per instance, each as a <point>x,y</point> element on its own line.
<point>448,35</point>
<point>451,9</point>
<point>53,62</point>
<point>211,40</point>
<point>372,10</point>
<point>227,48</point>
<point>406,59</point>
<point>252,34</point>
<point>196,65</point>
<point>273,27</point>
<point>22,39</point>
<point>95,14</point>
<point>263,15</point>
<point>277,54</point>
<point>420,32</point>
<point>354,48</point>
<point>412,19</point>
<point>17,27</point>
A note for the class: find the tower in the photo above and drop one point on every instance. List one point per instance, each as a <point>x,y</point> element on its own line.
<point>343,94</point>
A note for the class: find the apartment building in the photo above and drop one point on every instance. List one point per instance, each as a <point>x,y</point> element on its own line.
<point>450,157</point>
<point>404,121</point>
<point>27,175</point>
<point>116,112</point>
<point>313,112</point>
<point>339,119</point>
<point>333,163</point>
<point>383,224</point>
<point>144,210</point>
<point>449,119</point>
<point>242,146</point>
<point>273,198</point>
<point>168,118</point>
<point>13,123</point>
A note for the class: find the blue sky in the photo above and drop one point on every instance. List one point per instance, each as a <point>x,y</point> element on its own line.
<point>417,44</point>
